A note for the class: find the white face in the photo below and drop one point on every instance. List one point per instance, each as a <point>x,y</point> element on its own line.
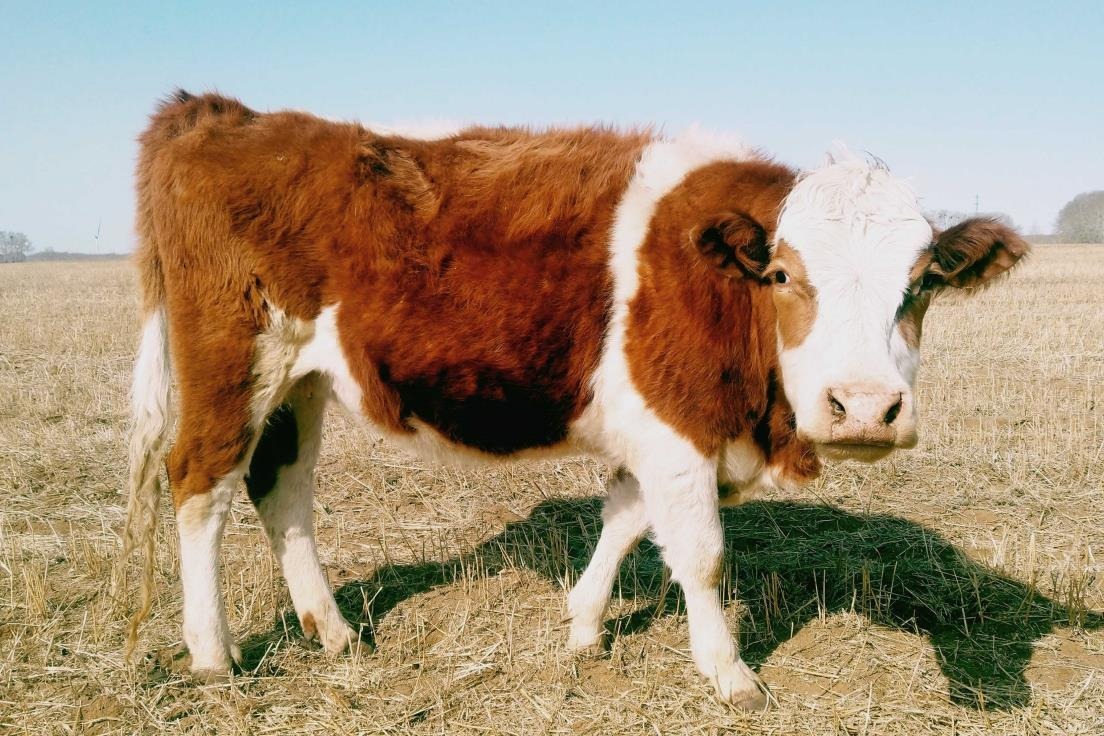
<point>849,238</point>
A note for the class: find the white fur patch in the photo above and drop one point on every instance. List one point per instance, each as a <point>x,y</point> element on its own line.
<point>741,472</point>
<point>624,523</point>
<point>859,231</point>
<point>741,461</point>
<point>275,354</point>
<point>150,392</point>
<point>200,521</point>
<point>323,353</point>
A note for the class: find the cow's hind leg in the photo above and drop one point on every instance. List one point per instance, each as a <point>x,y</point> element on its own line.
<point>281,485</point>
<point>205,466</point>
<point>200,523</point>
<point>232,373</point>
<point>624,523</point>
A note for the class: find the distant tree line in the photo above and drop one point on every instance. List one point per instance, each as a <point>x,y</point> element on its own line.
<point>49,254</point>
<point>14,247</point>
<point>1082,219</point>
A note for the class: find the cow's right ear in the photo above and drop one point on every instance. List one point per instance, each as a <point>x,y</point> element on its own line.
<point>733,243</point>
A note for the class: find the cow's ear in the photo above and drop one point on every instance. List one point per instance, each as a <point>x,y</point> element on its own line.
<point>969,255</point>
<point>733,243</point>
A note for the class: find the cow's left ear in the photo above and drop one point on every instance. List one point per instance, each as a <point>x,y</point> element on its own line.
<point>969,255</point>
<point>733,243</point>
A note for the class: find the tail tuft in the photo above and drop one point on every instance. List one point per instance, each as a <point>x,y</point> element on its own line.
<point>151,412</point>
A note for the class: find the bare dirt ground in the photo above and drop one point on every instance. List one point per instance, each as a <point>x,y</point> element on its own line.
<point>947,590</point>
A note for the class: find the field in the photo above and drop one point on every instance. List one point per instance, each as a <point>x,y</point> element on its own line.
<point>950,589</point>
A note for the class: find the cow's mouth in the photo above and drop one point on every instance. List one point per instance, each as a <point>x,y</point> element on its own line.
<point>866,453</point>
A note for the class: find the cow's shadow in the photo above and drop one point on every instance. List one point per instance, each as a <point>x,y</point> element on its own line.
<point>789,563</point>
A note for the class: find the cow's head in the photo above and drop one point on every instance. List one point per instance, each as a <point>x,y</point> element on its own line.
<point>854,266</point>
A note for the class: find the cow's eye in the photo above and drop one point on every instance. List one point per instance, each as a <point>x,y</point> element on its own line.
<point>781,277</point>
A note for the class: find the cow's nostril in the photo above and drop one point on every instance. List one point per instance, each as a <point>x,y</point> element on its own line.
<point>894,410</point>
<point>837,407</point>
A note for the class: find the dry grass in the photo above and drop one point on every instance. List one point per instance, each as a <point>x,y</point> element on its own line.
<point>948,590</point>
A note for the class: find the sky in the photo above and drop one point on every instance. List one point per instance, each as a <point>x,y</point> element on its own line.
<point>1002,102</point>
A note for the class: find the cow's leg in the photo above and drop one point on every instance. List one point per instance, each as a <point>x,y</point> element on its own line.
<point>232,373</point>
<point>205,466</point>
<point>281,486</point>
<point>682,510</point>
<point>623,525</point>
<point>200,522</point>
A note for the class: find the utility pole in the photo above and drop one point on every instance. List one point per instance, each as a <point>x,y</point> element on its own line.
<point>977,199</point>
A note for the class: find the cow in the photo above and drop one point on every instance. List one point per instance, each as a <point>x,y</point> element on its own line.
<point>704,320</point>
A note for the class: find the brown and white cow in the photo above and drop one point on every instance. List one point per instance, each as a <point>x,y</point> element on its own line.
<point>501,293</point>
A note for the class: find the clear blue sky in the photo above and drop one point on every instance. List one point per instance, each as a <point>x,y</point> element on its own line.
<point>1002,100</point>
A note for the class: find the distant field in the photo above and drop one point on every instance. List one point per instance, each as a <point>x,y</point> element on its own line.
<point>949,590</point>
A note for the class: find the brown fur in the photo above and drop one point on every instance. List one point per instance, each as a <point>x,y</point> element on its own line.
<point>471,274</point>
<point>701,344</point>
<point>969,255</point>
<point>910,318</point>
<point>793,460</point>
<point>510,290</point>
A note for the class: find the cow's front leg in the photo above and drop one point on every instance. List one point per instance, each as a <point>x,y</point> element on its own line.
<point>623,525</point>
<point>682,509</point>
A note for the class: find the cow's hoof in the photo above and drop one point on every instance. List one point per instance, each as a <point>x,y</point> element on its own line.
<point>341,639</point>
<point>586,641</point>
<point>215,665</point>
<point>738,685</point>
<point>333,632</point>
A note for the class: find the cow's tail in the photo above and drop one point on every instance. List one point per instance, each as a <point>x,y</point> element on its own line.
<point>151,420</point>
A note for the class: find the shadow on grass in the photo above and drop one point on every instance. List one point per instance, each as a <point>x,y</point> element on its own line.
<point>788,563</point>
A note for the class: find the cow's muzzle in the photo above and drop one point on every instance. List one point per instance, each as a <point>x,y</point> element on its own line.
<point>866,423</point>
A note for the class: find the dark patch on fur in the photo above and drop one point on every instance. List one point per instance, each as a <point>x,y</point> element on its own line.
<point>278,446</point>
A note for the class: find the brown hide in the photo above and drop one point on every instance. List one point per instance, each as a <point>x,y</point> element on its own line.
<point>471,275</point>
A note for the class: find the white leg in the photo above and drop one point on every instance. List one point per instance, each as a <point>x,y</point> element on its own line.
<point>288,517</point>
<point>200,522</point>
<point>682,509</point>
<point>623,525</point>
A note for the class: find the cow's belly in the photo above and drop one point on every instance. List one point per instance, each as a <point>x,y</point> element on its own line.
<point>493,420</point>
